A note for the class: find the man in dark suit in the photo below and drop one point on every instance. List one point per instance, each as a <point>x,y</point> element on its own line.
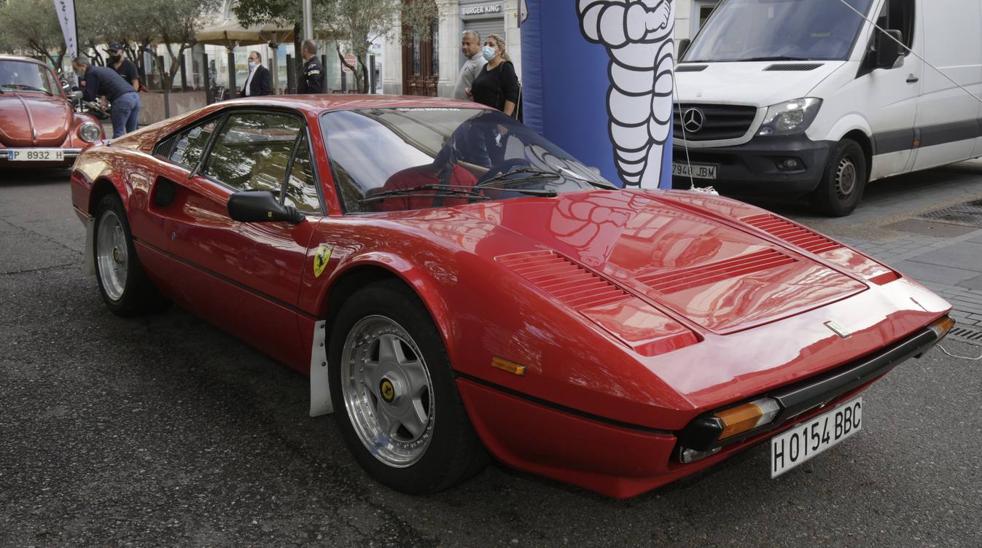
<point>259,81</point>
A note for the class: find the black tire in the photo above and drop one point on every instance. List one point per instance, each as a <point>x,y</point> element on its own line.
<point>454,452</point>
<point>139,295</point>
<point>844,180</point>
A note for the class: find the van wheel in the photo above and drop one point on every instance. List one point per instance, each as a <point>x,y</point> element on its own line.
<point>844,181</point>
<point>396,403</point>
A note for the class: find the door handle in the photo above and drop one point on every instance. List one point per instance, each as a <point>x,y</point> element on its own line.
<point>911,79</point>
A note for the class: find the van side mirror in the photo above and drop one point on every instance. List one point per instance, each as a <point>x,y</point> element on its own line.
<point>683,47</point>
<point>888,49</point>
<point>259,206</point>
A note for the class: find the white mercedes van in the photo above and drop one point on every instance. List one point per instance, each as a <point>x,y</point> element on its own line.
<point>807,97</point>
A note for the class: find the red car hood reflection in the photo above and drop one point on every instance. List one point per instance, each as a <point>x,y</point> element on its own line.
<point>719,277</point>
<point>30,119</point>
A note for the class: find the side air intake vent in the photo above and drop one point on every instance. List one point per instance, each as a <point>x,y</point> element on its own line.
<point>565,280</point>
<point>793,234</point>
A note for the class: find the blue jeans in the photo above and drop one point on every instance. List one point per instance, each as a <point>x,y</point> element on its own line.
<point>125,113</point>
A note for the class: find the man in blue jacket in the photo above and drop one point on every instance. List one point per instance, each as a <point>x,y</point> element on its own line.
<point>106,82</point>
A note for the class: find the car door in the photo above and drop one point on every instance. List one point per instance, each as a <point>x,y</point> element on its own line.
<point>251,271</point>
<point>891,95</point>
<point>947,117</point>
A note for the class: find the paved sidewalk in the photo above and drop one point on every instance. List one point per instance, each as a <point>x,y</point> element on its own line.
<point>906,223</point>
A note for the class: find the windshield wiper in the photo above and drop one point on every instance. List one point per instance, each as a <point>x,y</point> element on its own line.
<point>434,190</point>
<point>24,87</point>
<point>774,58</point>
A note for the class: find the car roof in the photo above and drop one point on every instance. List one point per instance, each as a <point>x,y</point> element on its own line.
<point>5,57</point>
<point>327,102</point>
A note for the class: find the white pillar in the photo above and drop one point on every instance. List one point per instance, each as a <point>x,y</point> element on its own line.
<point>392,60</point>
<point>513,36</point>
<point>449,49</point>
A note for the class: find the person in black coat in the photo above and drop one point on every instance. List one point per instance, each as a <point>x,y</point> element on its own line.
<point>260,81</point>
<point>312,78</point>
<point>497,84</point>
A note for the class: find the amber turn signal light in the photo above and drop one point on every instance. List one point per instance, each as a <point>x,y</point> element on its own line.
<point>942,327</point>
<point>744,418</point>
<point>505,365</point>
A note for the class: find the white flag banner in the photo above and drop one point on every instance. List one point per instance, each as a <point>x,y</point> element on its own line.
<point>66,17</point>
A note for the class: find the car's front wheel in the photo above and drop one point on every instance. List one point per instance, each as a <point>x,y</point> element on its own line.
<point>394,396</point>
<point>123,284</point>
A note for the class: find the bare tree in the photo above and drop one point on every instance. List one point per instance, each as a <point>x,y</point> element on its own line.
<point>361,22</point>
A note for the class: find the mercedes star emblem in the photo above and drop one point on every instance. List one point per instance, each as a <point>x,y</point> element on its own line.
<point>693,120</point>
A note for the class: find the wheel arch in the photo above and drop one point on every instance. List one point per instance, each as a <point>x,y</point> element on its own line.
<point>357,274</point>
<point>102,187</point>
<point>866,144</point>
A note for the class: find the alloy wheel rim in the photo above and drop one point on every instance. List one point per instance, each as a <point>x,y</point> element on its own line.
<point>112,255</point>
<point>845,178</point>
<point>387,391</point>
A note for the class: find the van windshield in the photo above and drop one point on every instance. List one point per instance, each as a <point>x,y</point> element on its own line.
<point>778,30</point>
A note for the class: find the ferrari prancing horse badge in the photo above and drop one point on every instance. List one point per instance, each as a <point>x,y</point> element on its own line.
<point>321,256</point>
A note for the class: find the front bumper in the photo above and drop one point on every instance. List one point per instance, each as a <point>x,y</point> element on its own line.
<point>622,461</point>
<point>756,167</point>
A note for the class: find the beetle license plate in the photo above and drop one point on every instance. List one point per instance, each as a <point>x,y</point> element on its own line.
<point>812,437</point>
<point>36,155</point>
<point>696,171</point>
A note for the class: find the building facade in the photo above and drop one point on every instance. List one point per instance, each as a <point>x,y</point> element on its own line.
<point>690,15</point>
<point>428,62</point>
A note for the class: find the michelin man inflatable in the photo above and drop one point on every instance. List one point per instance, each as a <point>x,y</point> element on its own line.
<point>624,47</point>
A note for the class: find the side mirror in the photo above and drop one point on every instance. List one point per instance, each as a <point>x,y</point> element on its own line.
<point>683,47</point>
<point>888,49</point>
<point>258,206</point>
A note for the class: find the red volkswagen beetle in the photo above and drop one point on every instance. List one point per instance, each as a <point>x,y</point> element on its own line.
<point>38,124</point>
<point>457,286</point>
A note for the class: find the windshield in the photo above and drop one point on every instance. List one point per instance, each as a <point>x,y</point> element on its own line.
<point>25,76</point>
<point>775,30</point>
<point>408,158</point>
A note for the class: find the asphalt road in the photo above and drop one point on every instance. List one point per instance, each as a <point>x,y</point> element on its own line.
<point>164,430</point>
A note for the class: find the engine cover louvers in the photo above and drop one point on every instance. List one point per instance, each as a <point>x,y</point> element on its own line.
<point>687,278</point>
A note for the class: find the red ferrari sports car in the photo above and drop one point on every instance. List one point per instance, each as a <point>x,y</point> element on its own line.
<point>38,123</point>
<point>456,286</point>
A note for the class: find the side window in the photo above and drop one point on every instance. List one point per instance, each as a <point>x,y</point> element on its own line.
<point>163,148</point>
<point>191,144</point>
<point>253,150</point>
<point>301,187</point>
<point>899,15</point>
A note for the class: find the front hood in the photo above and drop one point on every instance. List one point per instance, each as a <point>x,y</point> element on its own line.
<point>748,83</point>
<point>28,119</point>
<point>657,246</point>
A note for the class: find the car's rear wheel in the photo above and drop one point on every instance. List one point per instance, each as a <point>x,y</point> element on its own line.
<point>394,395</point>
<point>123,284</point>
<point>844,180</point>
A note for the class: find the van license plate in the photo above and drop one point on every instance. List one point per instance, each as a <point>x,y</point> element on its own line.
<point>696,171</point>
<point>36,155</point>
<point>810,438</point>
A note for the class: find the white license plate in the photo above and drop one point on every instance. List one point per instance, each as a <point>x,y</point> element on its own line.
<point>810,438</point>
<point>36,155</point>
<point>696,171</point>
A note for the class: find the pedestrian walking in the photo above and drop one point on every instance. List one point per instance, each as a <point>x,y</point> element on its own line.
<point>497,84</point>
<point>260,81</point>
<point>470,46</point>
<point>105,82</point>
<point>312,79</point>
<point>123,66</point>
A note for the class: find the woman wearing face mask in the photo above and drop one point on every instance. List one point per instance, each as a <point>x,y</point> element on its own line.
<point>260,81</point>
<point>497,84</point>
